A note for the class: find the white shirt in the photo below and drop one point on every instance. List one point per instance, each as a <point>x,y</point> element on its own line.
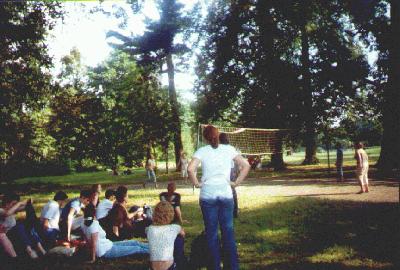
<point>7,222</point>
<point>161,241</point>
<point>216,166</point>
<point>103,244</point>
<point>103,208</point>
<point>51,211</point>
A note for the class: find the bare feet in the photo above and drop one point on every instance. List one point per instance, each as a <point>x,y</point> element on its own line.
<point>360,192</point>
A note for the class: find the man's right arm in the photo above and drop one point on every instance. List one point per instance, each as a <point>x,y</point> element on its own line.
<point>69,223</point>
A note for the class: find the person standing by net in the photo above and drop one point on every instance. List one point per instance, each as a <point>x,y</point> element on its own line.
<point>339,162</point>
<point>362,167</point>
<point>216,199</point>
<point>223,139</point>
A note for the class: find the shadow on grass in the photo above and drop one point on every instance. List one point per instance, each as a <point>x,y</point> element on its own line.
<point>308,233</point>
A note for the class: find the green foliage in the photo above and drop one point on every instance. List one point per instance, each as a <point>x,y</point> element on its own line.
<point>24,78</point>
<point>279,64</point>
<point>136,114</point>
<point>379,23</point>
<point>155,48</point>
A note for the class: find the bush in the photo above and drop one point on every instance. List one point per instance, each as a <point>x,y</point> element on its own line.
<point>27,168</point>
<point>92,168</point>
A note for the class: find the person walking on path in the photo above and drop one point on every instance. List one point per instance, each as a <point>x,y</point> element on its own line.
<point>339,162</point>
<point>183,164</point>
<point>216,200</point>
<point>150,167</point>
<point>362,167</point>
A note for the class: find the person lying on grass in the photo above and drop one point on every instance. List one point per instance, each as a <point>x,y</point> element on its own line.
<point>102,247</point>
<point>166,240</point>
<point>21,234</point>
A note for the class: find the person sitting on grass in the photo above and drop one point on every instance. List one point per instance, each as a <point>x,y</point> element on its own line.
<point>166,253</point>
<point>94,197</point>
<point>104,207</point>
<point>141,219</point>
<point>102,247</point>
<point>69,219</point>
<point>174,199</point>
<point>17,234</point>
<point>118,223</point>
<point>50,218</point>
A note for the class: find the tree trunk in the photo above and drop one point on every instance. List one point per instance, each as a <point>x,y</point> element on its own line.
<point>308,111</point>
<point>266,24</point>
<point>389,158</point>
<point>175,109</point>
<point>167,159</point>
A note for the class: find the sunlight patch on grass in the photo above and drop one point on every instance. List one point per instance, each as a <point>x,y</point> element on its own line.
<point>333,254</point>
<point>346,256</point>
<point>366,263</point>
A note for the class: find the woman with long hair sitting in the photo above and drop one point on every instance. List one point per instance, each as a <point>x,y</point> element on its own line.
<point>100,246</point>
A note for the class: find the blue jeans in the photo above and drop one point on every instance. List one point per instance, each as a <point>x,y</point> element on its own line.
<point>27,237</point>
<point>179,253</point>
<point>50,235</point>
<point>151,175</point>
<point>219,211</point>
<point>126,248</point>
<point>339,170</point>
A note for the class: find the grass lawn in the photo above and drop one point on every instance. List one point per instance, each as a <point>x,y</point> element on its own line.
<point>273,232</point>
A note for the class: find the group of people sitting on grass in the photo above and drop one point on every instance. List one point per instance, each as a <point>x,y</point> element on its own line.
<point>105,229</point>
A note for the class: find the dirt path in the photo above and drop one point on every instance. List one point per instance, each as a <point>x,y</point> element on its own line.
<point>380,191</point>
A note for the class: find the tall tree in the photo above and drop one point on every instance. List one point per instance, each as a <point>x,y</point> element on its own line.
<point>156,47</point>
<point>332,67</point>
<point>24,73</point>
<point>278,64</point>
<point>75,113</point>
<point>379,23</point>
<point>136,115</point>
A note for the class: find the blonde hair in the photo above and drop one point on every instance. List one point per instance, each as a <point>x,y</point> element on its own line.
<point>163,213</point>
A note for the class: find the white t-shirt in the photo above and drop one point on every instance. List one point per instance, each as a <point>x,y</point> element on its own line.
<point>216,164</point>
<point>51,211</point>
<point>7,222</point>
<point>103,208</point>
<point>151,164</point>
<point>103,244</point>
<point>161,241</point>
